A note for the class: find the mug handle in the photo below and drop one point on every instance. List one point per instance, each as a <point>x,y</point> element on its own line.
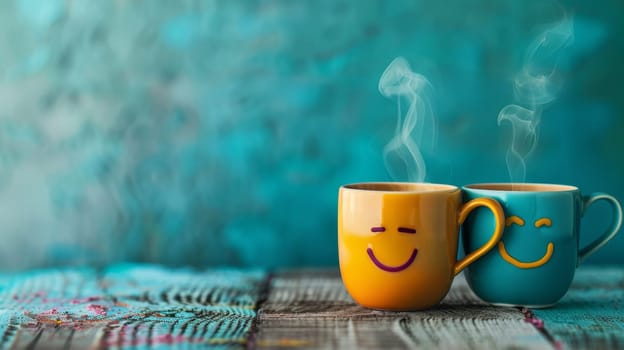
<point>610,233</point>
<point>499,218</point>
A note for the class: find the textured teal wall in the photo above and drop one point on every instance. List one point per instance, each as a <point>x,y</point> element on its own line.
<point>218,132</point>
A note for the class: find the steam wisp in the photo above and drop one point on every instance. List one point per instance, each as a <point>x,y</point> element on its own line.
<point>402,155</point>
<point>535,86</point>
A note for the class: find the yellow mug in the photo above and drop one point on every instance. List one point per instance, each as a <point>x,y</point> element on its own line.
<point>397,242</point>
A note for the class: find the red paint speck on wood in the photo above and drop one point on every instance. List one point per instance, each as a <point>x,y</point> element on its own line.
<point>168,339</point>
<point>85,300</point>
<point>164,339</point>
<point>97,309</point>
<point>50,312</point>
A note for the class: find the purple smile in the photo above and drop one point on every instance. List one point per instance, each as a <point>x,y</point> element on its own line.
<point>387,268</point>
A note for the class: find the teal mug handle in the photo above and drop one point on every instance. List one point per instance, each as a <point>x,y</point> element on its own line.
<point>611,232</point>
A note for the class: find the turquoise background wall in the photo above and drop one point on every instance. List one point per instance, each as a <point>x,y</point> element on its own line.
<point>218,132</point>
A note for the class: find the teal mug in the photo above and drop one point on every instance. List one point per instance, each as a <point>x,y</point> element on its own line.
<point>535,261</point>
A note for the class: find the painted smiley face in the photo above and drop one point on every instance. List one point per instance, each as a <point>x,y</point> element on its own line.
<point>390,268</point>
<point>550,247</point>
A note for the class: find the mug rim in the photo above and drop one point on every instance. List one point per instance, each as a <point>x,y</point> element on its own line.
<point>400,187</point>
<point>519,187</point>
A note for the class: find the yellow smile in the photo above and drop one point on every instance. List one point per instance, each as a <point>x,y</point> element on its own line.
<point>526,265</point>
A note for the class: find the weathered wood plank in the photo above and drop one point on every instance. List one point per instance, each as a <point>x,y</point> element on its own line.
<point>139,306</point>
<point>398,333</point>
<point>591,314</point>
<point>155,285</point>
<point>314,293</point>
<point>311,309</point>
<point>128,306</point>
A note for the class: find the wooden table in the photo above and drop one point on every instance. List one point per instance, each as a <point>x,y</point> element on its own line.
<point>145,306</point>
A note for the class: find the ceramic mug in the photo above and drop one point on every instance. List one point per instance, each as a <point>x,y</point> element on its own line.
<point>397,242</point>
<point>535,261</point>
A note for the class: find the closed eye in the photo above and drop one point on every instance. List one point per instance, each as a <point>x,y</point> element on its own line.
<point>378,229</point>
<point>407,230</point>
<point>543,222</point>
<point>514,220</point>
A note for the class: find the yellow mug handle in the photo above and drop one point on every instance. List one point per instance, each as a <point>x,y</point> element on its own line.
<point>499,218</point>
